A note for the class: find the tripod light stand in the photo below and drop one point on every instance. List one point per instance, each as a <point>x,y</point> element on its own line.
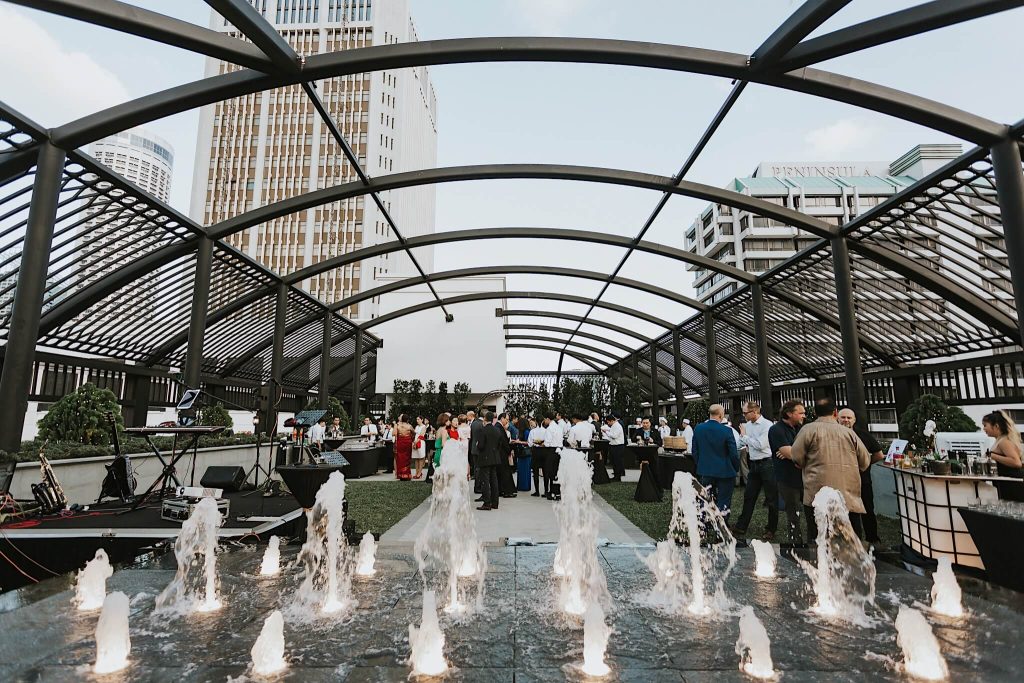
<point>257,467</point>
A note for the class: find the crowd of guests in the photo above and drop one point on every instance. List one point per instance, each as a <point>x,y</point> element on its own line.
<point>790,461</point>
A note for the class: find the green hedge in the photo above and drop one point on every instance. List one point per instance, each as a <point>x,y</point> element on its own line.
<point>64,450</point>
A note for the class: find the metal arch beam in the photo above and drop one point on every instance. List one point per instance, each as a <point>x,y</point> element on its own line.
<point>622,330</point>
<point>562,330</point>
<point>583,358</point>
<point>517,294</point>
<point>661,380</point>
<point>798,26</point>
<point>515,270</point>
<point>253,26</point>
<point>435,176</point>
<point>160,28</point>
<point>596,352</point>
<point>476,296</point>
<point>859,93</point>
<point>636,335</point>
<point>885,29</point>
<point>680,255</point>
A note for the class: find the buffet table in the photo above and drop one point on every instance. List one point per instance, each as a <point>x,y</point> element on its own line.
<point>930,521</point>
<point>363,462</point>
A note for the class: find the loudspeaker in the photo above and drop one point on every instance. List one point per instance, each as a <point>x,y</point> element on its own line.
<point>227,477</point>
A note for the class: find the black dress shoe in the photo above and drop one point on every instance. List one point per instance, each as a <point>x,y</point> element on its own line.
<point>485,506</point>
<point>535,495</point>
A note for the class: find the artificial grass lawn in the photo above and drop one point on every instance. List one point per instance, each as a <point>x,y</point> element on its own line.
<point>653,518</point>
<point>378,505</point>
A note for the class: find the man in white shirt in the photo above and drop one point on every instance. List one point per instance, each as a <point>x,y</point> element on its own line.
<point>612,431</point>
<point>580,433</point>
<point>687,433</point>
<point>537,437</point>
<point>369,430</point>
<point>317,433</point>
<point>562,424</point>
<point>754,436</point>
<point>554,439</point>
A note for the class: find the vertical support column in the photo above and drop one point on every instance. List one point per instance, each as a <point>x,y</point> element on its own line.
<point>711,355</point>
<point>848,328</point>
<point>200,305</point>
<point>635,357</point>
<point>1006,162</point>
<point>357,376</point>
<point>677,368</point>
<point>764,381</point>
<point>905,390</point>
<point>325,361</point>
<point>16,377</point>
<point>140,385</point>
<point>654,382</point>
<point>556,395</point>
<point>273,394</point>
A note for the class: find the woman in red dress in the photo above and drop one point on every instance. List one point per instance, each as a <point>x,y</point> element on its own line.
<point>403,449</point>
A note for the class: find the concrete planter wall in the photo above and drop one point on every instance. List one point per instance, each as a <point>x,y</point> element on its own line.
<point>81,477</point>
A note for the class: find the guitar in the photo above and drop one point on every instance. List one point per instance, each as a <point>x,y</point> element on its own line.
<point>119,482</point>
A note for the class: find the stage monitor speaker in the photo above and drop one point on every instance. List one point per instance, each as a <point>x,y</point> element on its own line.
<point>227,477</point>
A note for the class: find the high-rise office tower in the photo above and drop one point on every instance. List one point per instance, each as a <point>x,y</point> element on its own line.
<point>262,148</point>
<point>832,191</point>
<point>145,159</point>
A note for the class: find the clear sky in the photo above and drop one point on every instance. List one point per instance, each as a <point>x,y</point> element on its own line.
<point>55,70</point>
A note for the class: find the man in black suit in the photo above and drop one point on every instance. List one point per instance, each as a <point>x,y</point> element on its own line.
<point>648,432</point>
<point>476,425</point>
<point>495,447</point>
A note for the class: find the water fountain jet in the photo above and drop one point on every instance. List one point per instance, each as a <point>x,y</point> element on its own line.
<point>268,651</point>
<point>946,595</point>
<point>112,641</point>
<point>367,556</point>
<point>753,646</point>
<point>271,564</point>
<point>844,578</point>
<point>194,587</point>
<point>327,582</point>
<point>427,641</point>
<point>582,582</point>
<point>91,586</point>
<point>922,657</point>
<point>696,517</point>
<point>448,541</point>
<point>595,642</point>
<point>764,556</point>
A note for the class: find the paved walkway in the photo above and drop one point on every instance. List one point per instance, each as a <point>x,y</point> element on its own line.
<point>521,518</point>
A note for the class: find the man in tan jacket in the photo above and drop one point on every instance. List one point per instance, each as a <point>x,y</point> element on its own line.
<point>830,454</point>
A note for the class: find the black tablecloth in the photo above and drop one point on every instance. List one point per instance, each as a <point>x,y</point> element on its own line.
<point>636,454</point>
<point>364,463</point>
<point>648,489</point>
<point>997,538</point>
<point>305,480</point>
<point>598,460</point>
<point>669,464</point>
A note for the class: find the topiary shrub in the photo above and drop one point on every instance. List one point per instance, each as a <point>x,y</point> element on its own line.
<point>81,416</point>
<point>215,415</point>
<point>930,407</point>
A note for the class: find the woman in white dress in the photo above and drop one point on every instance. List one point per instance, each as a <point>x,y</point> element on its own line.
<point>419,445</point>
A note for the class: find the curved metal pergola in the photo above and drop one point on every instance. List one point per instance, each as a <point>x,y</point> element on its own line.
<point>899,285</point>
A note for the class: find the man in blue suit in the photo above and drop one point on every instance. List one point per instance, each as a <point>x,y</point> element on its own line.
<point>714,451</point>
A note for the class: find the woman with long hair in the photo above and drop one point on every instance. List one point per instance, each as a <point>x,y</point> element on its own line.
<point>403,434</point>
<point>441,424</point>
<point>1006,451</point>
<point>419,445</point>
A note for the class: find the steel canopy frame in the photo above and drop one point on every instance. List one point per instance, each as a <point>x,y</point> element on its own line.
<point>273,63</point>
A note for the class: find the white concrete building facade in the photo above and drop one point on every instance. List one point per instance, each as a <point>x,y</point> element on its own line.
<point>266,147</point>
